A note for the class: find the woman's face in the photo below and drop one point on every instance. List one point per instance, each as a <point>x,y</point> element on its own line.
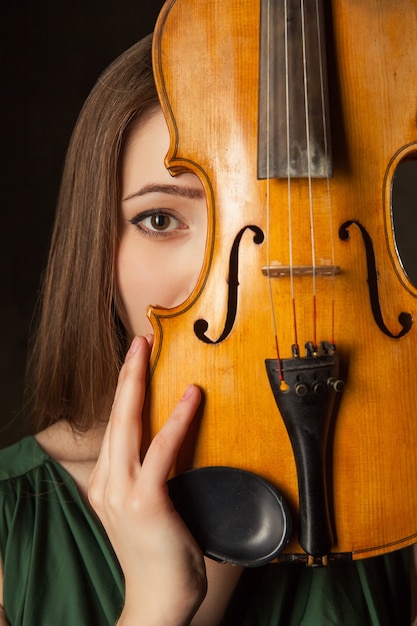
<point>163,227</point>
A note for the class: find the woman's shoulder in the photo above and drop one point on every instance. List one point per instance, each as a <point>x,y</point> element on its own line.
<point>75,452</point>
<point>20,458</point>
<point>64,444</point>
<point>50,539</point>
<point>57,443</point>
<point>58,446</point>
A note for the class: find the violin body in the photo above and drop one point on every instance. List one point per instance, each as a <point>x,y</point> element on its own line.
<point>206,63</point>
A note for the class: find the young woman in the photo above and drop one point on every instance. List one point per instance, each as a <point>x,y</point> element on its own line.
<point>88,534</point>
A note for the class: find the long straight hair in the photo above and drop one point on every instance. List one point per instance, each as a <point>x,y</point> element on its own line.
<point>80,341</point>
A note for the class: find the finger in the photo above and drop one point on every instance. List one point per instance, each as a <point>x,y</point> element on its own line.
<point>164,447</point>
<point>99,475</point>
<point>150,340</point>
<point>125,422</point>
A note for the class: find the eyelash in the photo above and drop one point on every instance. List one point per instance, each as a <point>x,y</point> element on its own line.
<point>139,220</point>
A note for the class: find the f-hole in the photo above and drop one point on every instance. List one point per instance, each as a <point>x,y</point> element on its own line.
<point>201,325</point>
<point>404,319</point>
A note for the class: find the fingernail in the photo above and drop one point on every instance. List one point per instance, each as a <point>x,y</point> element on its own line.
<point>133,347</point>
<point>150,339</point>
<point>188,391</point>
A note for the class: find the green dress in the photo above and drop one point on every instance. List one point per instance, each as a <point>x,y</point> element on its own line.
<point>60,569</point>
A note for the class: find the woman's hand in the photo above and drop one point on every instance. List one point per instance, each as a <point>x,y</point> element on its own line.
<point>163,566</point>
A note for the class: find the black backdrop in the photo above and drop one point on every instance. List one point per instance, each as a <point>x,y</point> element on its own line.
<point>51,54</point>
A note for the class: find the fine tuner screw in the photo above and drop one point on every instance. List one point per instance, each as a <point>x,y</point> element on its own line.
<point>319,387</point>
<point>336,384</point>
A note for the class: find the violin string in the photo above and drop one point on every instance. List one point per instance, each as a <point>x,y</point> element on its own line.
<point>289,198</point>
<point>328,192</point>
<point>268,191</point>
<point>310,190</point>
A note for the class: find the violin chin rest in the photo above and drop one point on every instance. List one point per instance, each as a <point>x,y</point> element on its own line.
<point>234,515</point>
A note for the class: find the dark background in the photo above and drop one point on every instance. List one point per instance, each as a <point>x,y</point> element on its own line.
<point>52,52</point>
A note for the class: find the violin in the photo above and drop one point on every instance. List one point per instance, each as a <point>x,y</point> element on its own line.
<point>302,326</point>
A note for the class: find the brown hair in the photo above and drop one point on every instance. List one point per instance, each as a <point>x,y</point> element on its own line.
<point>80,340</point>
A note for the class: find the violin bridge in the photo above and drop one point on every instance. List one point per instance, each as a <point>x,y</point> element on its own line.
<point>280,271</point>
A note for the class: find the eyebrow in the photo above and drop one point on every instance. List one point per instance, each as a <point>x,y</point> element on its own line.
<point>192,193</point>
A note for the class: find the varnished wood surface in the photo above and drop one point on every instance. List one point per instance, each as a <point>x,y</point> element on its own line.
<point>210,97</point>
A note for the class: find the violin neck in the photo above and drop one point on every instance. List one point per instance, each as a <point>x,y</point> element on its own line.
<point>293,132</point>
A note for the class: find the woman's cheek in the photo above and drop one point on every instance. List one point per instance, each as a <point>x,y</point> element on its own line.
<point>156,274</point>
<point>147,284</point>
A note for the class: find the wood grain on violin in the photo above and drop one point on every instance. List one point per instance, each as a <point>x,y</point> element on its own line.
<point>301,266</point>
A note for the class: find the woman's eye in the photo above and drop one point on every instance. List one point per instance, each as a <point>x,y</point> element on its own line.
<point>160,222</point>
<point>156,222</point>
